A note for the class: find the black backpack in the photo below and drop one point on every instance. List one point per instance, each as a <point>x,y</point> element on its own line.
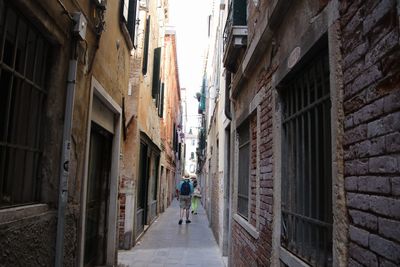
<point>185,188</point>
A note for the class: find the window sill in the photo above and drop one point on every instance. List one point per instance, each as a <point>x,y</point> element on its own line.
<point>290,259</point>
<point>247,226</point>
<point>20,212</point>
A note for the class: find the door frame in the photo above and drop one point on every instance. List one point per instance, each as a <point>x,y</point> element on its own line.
<point>97,90</point>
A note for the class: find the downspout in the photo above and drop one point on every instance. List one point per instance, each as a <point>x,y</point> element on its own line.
<point>66,149</point>
<point>65,160</point>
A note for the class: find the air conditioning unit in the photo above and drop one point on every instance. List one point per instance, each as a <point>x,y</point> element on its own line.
<point>100,3</point>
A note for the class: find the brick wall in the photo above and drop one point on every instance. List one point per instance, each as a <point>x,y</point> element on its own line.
<point>246,250</point>
<point>371,53</point>
<point>121,216</point>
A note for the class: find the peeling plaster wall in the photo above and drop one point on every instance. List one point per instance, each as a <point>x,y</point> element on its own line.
<point>141,116</point>
<point>35,235</point>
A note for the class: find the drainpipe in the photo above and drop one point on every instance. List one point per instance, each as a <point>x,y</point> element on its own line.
<point>65,160</point>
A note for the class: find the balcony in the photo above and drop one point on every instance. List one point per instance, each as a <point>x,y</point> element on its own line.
<point>235,33</point>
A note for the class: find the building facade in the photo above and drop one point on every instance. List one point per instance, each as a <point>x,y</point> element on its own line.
<point>217,132</point>
<point>151,151</point>
<point>64,76</point>
<point>172,162</point>
<point>313,88</point>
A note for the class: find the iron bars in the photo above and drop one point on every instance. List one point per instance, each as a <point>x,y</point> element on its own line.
<point>306,166</point>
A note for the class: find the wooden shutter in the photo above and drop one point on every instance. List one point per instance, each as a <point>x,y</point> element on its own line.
<point>161,105</point>
<point>131,23</point>
<point>146,46</point>
<point>156,74</point>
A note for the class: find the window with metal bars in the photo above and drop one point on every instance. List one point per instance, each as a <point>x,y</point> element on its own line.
<point>244,169</point>
<point>23,57</point>
<point>306,205</point>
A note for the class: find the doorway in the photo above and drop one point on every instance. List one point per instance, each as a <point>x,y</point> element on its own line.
<point>97,196</point>
<point>141,212</point>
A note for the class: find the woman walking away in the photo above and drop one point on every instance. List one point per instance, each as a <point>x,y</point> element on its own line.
<point>196,196</point>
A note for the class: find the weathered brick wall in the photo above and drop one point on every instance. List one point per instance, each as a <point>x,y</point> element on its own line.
<point>371,53</point>
<point>246,250</point>
<point>253,171</point>
<point>121,216</point>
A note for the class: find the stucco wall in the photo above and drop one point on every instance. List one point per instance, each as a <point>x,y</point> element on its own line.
<point>36,235</point>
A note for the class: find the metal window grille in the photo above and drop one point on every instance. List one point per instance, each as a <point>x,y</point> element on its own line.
<point>306,173</point>
<point>22,95</point>
<point>244,167</point>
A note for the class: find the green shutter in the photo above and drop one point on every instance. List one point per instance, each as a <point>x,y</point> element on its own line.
<point>156,74</point>
<point>161,106</point>
<point>146,46</point>
<point>131,25</point>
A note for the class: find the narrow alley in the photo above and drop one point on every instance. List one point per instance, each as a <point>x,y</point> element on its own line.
<point>281,117</point>
<point>168,244</point>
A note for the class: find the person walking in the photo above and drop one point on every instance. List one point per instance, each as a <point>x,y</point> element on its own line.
<point>196,196</point>
<point>185,194</point>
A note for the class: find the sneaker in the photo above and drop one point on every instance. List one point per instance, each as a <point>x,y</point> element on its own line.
<point>192,211</point>
<point>180,221</point>
<point>188,221</point>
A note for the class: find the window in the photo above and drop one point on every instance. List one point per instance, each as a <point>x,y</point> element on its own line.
<point>193,142</point>
<point>130,17</point>
<point>244,167</point>
<point>191,155</point>
<point>192,168</point>
<point>125,10</point>
<point>306,167</point>
<point>22,101</point>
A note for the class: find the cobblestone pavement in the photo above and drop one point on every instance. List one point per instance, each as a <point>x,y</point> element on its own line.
<point>168,244</point>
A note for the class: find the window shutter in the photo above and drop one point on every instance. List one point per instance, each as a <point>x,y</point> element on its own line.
<point>161,105</point>
<point>146,46</point>
<point>135,37</point>
<point>174,137</point>
<point>156,74</point>
<point>131,22</point>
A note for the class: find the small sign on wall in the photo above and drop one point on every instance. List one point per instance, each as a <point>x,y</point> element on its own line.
<point>294,57</point>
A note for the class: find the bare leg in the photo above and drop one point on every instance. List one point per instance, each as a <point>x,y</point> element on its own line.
<point>187,214</point>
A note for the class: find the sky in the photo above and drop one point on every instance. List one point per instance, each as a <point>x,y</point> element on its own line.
<point>190,19</point>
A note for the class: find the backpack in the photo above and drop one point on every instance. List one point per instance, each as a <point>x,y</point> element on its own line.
<point>185,188</point>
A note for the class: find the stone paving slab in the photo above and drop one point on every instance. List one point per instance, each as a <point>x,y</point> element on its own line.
<point>168,244</point>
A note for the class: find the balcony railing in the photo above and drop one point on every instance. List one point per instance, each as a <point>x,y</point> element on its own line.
<point>235,33</point>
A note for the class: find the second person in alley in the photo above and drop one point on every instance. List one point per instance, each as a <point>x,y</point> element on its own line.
<point>196,196</point>
<point>185,191</point>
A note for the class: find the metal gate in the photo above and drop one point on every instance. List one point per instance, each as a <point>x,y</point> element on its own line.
<point>306,166</point>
